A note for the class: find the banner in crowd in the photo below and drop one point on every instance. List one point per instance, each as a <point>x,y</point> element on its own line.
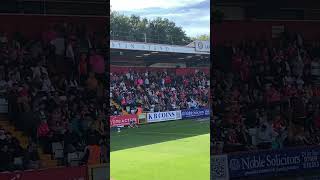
<point>123,120</point>
<point>65,173</point>
<point>163,116</point>
<point>195,113</point>
<point>268,163</point>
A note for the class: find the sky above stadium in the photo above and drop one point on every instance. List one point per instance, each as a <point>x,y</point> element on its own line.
<point>192,15</point>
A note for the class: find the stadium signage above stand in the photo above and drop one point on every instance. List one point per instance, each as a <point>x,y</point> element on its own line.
<point>125,45</point>
<point>202,46</point>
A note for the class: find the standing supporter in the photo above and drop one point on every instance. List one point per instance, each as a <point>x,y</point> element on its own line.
<point>32,157</point>
<point>92,82</point>
<point>97,64</point>
<point>83,68</point>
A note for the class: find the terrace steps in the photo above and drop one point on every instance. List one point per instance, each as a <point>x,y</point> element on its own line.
<point>46,159</point>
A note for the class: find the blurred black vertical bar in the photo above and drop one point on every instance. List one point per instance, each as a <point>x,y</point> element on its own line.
<point>107,35</point>
<point>212,58</point>
<point>277,26</point>
<point>32,17</point>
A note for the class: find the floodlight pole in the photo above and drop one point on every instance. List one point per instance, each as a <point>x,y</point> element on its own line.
<point>145,37</point>
<point>44,7</point>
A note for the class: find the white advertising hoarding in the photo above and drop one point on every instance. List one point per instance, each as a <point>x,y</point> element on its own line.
<point>202,46</point>
<point>163,116</point>
<point>125,45</point>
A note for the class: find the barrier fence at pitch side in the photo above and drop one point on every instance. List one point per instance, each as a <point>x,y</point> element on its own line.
<point>151,117</point>
<point>96,172</point>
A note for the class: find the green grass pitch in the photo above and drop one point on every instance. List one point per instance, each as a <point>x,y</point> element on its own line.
<point>162,151</point>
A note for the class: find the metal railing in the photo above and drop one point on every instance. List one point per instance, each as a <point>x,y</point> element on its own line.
<point>147,38</point>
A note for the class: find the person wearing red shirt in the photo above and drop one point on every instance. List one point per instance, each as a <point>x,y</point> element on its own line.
<point>97,64</point>
<point>167,80</point>
<point>83,68</point>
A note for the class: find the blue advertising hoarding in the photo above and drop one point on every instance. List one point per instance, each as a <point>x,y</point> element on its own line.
<point>195,113</point>
<point>269,163</point>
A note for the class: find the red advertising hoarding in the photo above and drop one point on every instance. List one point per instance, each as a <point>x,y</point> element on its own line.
<point>178,71</point>
<point>123,120</point>
<point>65,173</point>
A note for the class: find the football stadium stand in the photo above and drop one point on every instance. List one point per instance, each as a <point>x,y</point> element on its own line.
<point>265,98</point>
<point>53,98</point>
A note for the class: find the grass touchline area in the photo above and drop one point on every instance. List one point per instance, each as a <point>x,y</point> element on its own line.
<point>162,151</point>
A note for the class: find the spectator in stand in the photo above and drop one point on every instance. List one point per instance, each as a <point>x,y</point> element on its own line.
<point>157,91</point>
<point>83,68</point>
<point>6,158</point>
<point>97,64</point>
<point>32,157</point>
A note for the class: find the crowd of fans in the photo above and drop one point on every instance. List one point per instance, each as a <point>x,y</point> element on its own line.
<point>157,91</point>
<point>54,86</point>
<point>269,96</point>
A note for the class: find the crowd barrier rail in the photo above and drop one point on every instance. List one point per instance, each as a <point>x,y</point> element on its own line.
<point>151,117</point>
<point>93,172</point>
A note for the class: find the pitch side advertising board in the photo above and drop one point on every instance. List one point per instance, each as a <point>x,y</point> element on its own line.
<point>163,116</point>
<point>195,113</point>
<point>124,120</point>
<point>266,163</point>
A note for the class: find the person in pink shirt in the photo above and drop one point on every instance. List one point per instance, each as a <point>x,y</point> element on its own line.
<point>140,81</point>
<point>49,35</point>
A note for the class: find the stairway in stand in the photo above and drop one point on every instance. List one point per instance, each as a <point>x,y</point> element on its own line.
<point>46,160</point>
<point>115,104</point>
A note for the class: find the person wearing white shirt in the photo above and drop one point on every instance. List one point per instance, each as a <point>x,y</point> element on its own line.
<point>122,84</point>
<point>69,52</point>
<point>3,85</point>
<point>146,82</point>
<point>264,134</point>
<point>299,82</point>
<point>162,81</point>
<point>288,79</point>
<point>38,70</point>
<point>46,84</point>
<point>128,75</point>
